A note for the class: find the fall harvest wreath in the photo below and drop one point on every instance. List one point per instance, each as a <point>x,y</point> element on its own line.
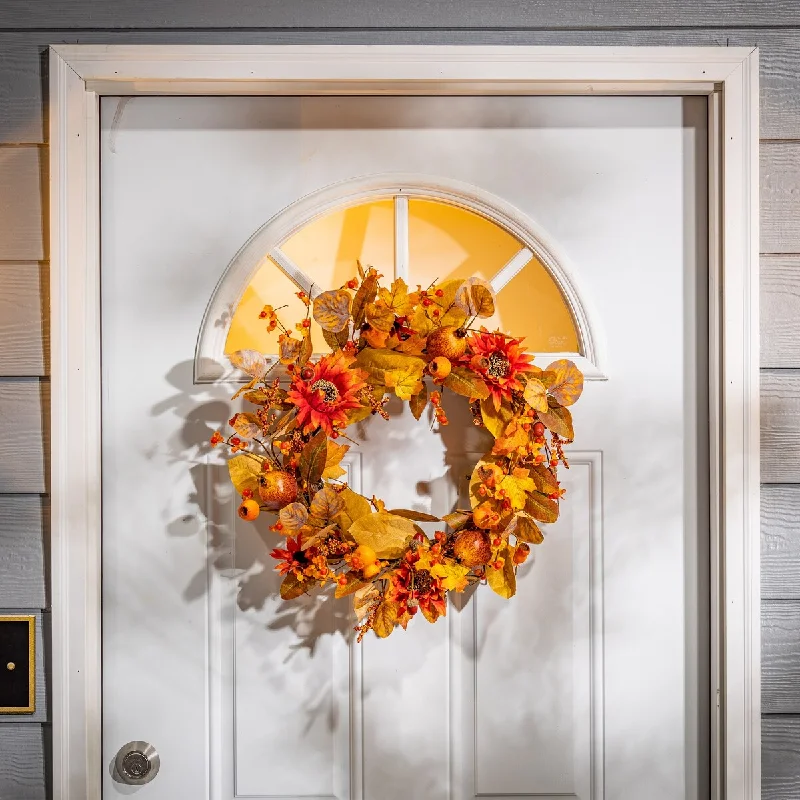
<point>287,453</point>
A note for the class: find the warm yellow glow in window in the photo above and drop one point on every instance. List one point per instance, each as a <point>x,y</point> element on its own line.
<point>445,241</point>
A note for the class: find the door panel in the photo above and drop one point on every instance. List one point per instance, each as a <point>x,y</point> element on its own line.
<point>589,683</point>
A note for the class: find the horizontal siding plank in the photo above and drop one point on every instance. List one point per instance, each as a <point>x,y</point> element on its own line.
<point>780,426</point>
<point>24,310</point>
<point>780,197</point>
<point>22,548</point>
<point>780,757</point>
<point>21,205</point>
<point>24,435</point>
<point>23,81</point>
<point>780,311</point>
<point>780,542</point>
<point>592,14</point>
<point>780,656</point>
<point>40,714</point>
<point>22,775</point>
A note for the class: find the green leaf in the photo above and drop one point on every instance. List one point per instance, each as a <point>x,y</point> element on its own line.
<point>466,383</point>
<point>312,459</point>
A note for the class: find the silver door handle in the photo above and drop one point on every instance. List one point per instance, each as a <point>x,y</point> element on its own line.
<point>136,763</point>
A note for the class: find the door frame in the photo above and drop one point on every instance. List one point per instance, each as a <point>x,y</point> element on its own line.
<point>81,74</point>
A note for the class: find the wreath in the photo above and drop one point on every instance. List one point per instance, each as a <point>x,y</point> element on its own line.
<point>287,452</point>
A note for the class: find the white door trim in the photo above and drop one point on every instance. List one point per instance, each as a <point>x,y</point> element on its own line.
<point>80,74</point>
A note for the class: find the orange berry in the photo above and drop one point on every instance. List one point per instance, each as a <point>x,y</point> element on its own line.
<point>342,580</point>
<point>439,293</point>
<point>371,571</point>
<point>249,510</point>
<point>363,557</point>
<point>440,368</point>
<point>538,429</point>
<point>521,553</point>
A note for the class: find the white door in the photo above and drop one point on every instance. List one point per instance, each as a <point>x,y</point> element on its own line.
<point>591,682</point>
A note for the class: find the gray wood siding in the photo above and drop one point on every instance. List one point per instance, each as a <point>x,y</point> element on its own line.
<point>22,775</point>
<point>26,29</point>
<point>446,14</point>
<point>24,301</point>
<point>22,551</point>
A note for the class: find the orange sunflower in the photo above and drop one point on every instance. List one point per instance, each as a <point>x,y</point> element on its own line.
<point>324,392</point>
<point>499,360</point>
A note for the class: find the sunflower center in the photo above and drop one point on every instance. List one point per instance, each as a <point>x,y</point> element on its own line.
<point>498,365</point>
<point>422,581</point>
<point>330,394</point>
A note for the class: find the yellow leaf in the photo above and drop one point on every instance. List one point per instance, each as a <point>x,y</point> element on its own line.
<point>464,382</point>
<point>475,297</point>
<point>568,383</point>
<point>517,490</point>
<point>396,298</point>
<point>419,401</point>
<point>289,349</point>
<point>450,312</point>
<point>364,296</point>
<point>406,381</point>
<point>313,457</point>
<point>293,517</point>
<point>332,309</point>
<point>355,507</point>
<point>420,322</point>
<point>535,395</point>
<point>413,346</point>
<point>251,362</point>
<point>354,583</point>
<point>457,519</point>
<point>375,338</point>
<point>376,363</point>
<point>385,619</point>
<point>503,581</point>
<point>525,529</point>
<point>326,503</point>
<point>292,588</point>
<point>514,437</point>
<point>417,516</point>
<point>244,471</point>
<point>541,507</point>
<point>546,481</point>
<point>452,575</point>
<point>494,419</point>
<point>306,349</point>
<point>559,421</point>
<point>387,534</point>
<point>333,458</point>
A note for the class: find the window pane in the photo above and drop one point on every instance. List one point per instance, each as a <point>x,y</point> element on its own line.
<point>327,248</point>
<point>446,242</point>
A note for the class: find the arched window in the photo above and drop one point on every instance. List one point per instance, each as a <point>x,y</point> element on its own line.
<point>423,230</point>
